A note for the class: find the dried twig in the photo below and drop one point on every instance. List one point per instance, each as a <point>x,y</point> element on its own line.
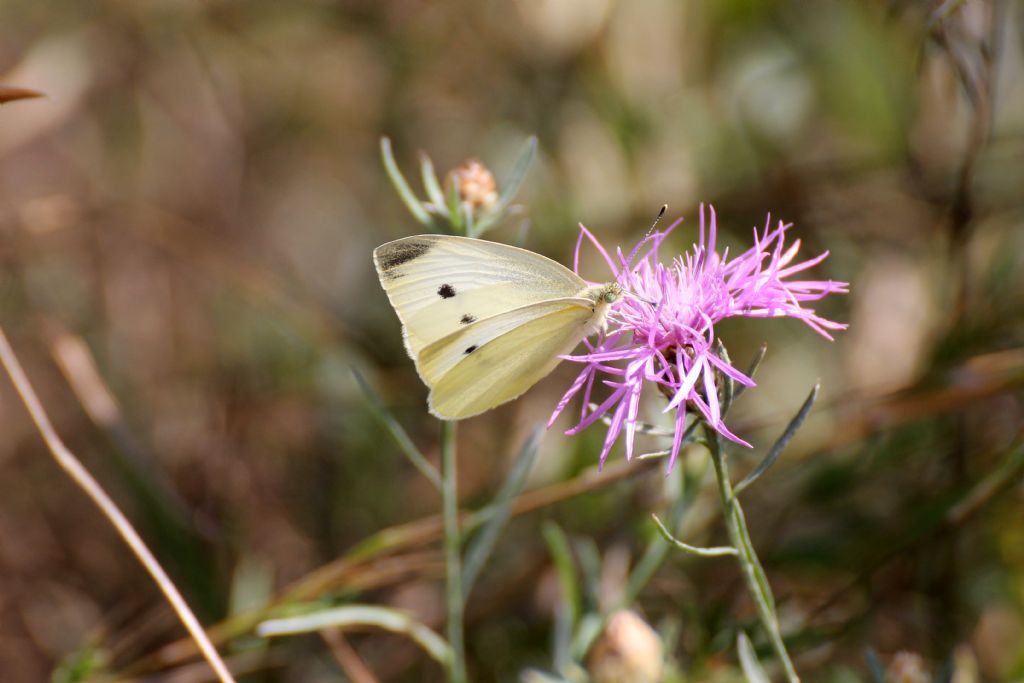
<point>10,93</point>
<point>71,465</point>
<point>347,657</point>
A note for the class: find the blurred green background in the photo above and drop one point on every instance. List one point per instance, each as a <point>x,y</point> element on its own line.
<point>186,221</point>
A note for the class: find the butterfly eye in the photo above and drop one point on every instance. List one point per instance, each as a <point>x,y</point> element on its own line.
<point>610,297</point>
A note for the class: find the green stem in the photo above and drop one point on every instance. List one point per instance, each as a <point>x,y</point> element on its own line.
<point>453,554</point>
<point>753,573</point>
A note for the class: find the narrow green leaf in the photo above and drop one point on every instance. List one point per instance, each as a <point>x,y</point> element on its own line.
<point>875,667</point>
<point>591,621</point>
<point>87,663</point>
<point>752,668</point>
<point>430,183</point>
<point>398,180</point>
<point>388,619</point>
<point>397,432</point>
<point>454,211</point>
<point>728,384</point>
<point>467,220</point>
<point>497,513</point>
<point>947,671</point>
<point>561,638</point>
<point>755,363</point>
<point>561,555</point>
<point>510,187</point>
<point>588,556</point>
<point>692,549</point>
<point>997,480</point>
<point>589,630</point>
<point>654,455</point>
<point>776,450</point>
<point>524,233</point>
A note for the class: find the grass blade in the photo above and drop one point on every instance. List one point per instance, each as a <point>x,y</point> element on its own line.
<point>569,605</point>
<point>498,512</point>
<point>397,432</point>
<point>388,619</point>
<point>874,666</point>
<point>752,668</point>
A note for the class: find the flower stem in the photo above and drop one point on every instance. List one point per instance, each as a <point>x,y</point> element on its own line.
<point>750,565</point>
<point>453,554</point>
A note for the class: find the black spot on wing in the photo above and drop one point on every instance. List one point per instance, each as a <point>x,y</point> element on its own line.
<point>467,319</point>
<point>471,349</point>
<point>446,291</point>
<point>402,252</point>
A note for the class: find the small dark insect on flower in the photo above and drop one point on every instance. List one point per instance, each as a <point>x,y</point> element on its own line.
<point>477,186</point>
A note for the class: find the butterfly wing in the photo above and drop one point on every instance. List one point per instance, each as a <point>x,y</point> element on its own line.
<point>496,359</point>
<point>439,284</point>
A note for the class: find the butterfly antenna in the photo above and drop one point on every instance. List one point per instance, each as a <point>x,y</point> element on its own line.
<point>629,261</point>
<point>664,208</point>
<point>639,298</point>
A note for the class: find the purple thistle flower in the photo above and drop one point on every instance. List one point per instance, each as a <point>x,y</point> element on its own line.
<point>664,332</point>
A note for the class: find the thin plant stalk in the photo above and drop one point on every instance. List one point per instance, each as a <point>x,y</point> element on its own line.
<point>750,565</point>
<point>71,465</point>
<point>453,554</point>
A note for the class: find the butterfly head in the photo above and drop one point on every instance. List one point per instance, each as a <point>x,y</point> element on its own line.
<point>610,293</point>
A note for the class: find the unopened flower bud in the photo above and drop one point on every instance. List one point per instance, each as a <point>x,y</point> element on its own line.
<point>477,186</point>
<point>629,651</point>
<point>907,667</point>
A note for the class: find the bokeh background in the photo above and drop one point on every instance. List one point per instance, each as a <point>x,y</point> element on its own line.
<point>186,221</point>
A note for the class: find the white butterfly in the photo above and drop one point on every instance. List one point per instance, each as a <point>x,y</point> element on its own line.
<point>484,321</point>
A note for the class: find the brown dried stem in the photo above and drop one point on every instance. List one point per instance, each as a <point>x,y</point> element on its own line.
<point>71,465</point>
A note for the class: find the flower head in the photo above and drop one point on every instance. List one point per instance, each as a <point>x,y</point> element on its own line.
<point>663,332</point>
<point>476,185</point>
